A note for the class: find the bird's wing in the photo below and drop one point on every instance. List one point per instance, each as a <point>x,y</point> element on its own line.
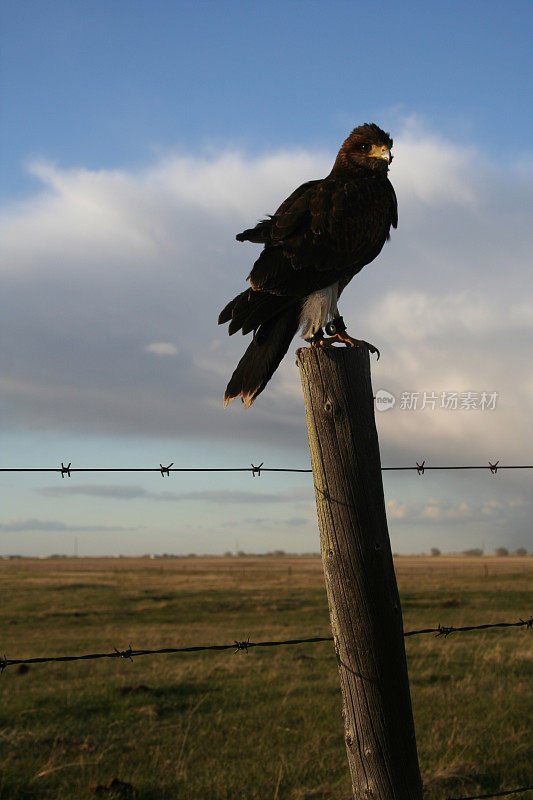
<point>266,231</point>
<point>321,232</point>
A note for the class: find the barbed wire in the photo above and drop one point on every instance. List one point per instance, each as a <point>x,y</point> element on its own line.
<point>497,794</point>
<point>246,645</point>
<point>442,630</point>
<point>419,468</point>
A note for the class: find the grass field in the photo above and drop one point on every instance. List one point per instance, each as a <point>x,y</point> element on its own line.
<point>263,726</point>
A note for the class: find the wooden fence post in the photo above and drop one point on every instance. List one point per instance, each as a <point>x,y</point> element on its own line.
<point>361,585</point>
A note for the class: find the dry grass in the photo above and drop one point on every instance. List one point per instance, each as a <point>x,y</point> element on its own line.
<point>266,725</point>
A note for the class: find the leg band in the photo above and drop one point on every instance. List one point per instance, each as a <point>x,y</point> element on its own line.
<point>335,326</point>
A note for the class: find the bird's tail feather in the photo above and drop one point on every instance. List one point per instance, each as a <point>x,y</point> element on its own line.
<point>251,309</point>
<point>263,356</point>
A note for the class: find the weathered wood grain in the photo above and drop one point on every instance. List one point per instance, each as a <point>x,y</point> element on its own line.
<point>361,585</point>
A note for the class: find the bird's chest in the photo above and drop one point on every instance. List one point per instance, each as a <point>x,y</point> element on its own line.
<point>364,218</point>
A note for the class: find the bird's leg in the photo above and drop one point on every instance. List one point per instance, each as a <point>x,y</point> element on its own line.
<point>337,329</point>
<point>318,340</point>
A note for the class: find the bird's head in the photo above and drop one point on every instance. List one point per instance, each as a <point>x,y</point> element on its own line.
<point>367,146</point>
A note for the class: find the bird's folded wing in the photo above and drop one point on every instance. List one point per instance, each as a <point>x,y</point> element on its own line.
<point>289,213</point>
<point>322,233</point>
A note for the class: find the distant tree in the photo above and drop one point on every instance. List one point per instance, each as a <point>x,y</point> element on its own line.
<point>474,551</point>
<point>435,551</point>
<point>520,551</point>
<point>278,553</point>
<point>241,553</point>
<point>228,554</point>
<point>501,551</point>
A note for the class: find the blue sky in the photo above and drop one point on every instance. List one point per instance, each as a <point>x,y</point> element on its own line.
<point>104,84</point>
<point>137,139</point>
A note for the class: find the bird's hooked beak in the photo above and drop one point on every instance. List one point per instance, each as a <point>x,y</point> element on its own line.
<point>381,151</point>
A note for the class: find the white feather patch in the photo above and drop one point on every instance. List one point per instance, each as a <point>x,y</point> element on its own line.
<point>318,308</point>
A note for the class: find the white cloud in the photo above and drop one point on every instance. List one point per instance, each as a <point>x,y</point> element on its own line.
<point>430,170</point>
<point>443,510</point>
<point>162,349</point>
<point>98,263</point>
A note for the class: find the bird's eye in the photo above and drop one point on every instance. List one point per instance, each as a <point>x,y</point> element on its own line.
<point>365,148</point>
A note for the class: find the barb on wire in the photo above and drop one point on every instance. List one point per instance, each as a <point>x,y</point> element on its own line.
<point>125,653</point>
<point>257,470</point>
<point>497,794</point>
<point>244,645</point>
<point>420,467</point>
<point>65,470</point>
<point>239,646</point>
<point>494,467</point>
<point>445,631</point>
<point>165,470</point>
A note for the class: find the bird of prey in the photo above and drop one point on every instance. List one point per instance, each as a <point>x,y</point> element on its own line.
<point>318,239</point>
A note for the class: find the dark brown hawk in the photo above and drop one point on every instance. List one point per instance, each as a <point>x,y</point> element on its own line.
<point>318,239</point>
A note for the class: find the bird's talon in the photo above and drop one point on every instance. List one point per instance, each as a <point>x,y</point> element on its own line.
<point>349,341</point>
<point>373,349</point>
